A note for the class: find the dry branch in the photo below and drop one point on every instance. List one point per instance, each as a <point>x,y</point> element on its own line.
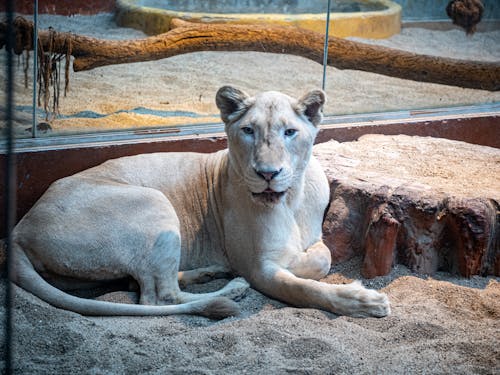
<point>188,37</point>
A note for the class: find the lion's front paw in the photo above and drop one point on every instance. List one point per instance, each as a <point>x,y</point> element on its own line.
<point>357,301</point>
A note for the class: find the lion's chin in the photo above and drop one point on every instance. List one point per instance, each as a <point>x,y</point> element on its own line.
<point>268,197</point>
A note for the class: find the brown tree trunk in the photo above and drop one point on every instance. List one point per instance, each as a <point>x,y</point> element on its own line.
<point>188,37</point>
<point>428,203</point>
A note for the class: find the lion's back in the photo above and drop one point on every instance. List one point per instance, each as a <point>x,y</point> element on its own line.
<point>164,171</point>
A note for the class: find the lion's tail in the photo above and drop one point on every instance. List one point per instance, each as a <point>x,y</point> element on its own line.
<point>27,277</point>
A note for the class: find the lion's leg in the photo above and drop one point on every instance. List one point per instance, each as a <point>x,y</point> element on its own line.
<point>160,285</point>
<point>351,299</point>
<point>314,263</point>
<point>156,272</point>
<point>202,275</point>
<point>235,289</point>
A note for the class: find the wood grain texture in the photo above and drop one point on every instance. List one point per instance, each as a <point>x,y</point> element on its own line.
<point>187,37</point>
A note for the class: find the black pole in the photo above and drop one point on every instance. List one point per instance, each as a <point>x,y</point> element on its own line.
<point>325,48</point>
<point>10,186</point>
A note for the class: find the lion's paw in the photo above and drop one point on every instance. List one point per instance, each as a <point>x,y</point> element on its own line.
<point>236,289</point>
<point>361,302</point>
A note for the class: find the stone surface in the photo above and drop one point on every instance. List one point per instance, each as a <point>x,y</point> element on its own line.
<point>431,204</point>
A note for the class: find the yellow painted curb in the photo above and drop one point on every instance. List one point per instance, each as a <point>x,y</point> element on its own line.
<point>372,25</point>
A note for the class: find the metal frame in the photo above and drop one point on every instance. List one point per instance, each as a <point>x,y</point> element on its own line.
<point>210,130</point>
<point>9,190</point>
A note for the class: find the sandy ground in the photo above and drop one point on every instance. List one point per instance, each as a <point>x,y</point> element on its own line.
<point>439,325</point>
<point>188,82</point>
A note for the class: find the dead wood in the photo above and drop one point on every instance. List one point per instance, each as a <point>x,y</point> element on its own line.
<point>186,37</point>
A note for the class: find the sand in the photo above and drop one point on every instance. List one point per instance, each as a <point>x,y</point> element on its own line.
<point>188,82</point>
<point>439,325</point>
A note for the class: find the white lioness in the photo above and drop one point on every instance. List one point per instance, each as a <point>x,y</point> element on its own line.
<point>254,210</point>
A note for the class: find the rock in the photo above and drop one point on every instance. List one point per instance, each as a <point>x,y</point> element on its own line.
<point>431,204</point>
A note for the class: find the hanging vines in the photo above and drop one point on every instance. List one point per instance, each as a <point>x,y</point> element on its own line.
<point>49,71</point>
<point>52,52</point>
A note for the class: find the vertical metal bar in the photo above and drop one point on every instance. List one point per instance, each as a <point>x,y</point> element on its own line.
<point>325,47</point>
<point>10,184</point>
<point>34,128</point>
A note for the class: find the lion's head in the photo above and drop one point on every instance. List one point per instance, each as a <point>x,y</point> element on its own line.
<point>270,138</point>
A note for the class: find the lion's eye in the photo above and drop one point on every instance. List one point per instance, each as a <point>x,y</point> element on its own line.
<point>247,130</point>
<point>290,132</point>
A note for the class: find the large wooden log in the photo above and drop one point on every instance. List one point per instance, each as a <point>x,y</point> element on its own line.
<point>428,203</point>
<point>186,37</point>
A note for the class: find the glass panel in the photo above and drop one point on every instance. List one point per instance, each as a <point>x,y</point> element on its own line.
<point>169,92</point>
<point>426,29</point>
<point>22,111</point>
<point>180,90</point>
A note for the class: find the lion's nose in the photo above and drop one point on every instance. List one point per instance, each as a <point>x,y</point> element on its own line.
<point>268,175</point>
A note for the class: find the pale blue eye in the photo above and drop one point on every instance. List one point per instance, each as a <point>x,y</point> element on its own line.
<point>290,132</point>
<point>247,130</point>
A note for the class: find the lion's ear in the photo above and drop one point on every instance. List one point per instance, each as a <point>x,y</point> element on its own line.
<point>311,106</point>
<point>231,102</point>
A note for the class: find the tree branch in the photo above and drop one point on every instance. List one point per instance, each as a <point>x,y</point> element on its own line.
<point>188,37</point>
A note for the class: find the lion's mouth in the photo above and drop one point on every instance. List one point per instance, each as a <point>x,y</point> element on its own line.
<point>269,196</point>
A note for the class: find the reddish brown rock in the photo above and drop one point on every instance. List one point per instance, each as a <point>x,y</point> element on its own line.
<point>380,242</point>
<point>428,203</point>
